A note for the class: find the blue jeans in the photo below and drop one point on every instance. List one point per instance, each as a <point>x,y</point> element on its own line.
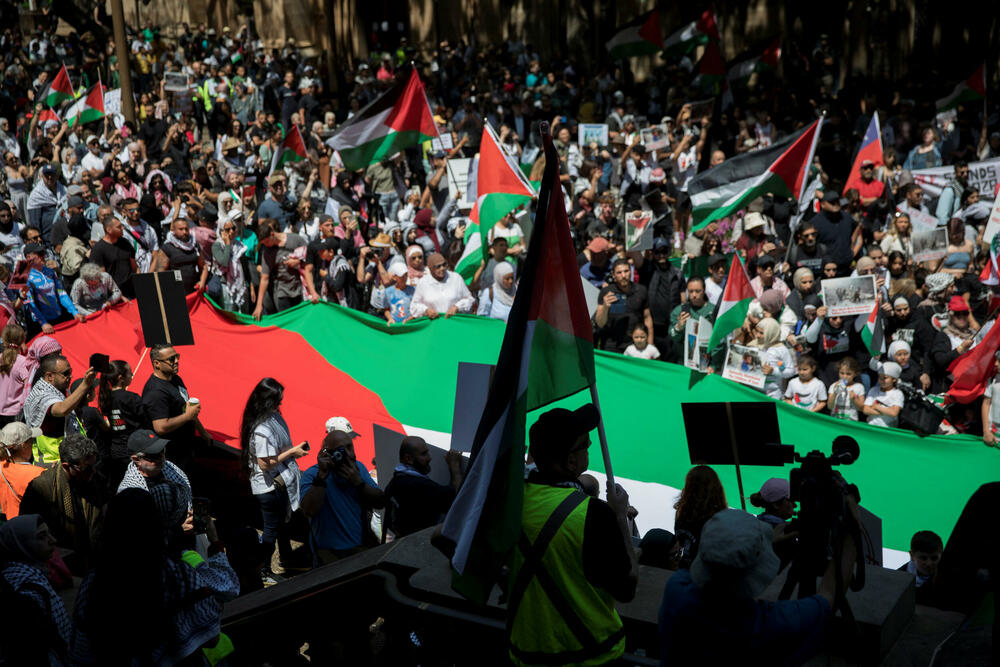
<point>273,509</point>
<point>390,203</point>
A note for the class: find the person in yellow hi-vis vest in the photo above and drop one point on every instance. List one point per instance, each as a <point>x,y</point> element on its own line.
<point>574,557</point>
<point>50,409</point>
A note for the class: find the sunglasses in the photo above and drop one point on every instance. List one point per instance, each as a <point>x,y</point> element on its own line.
<point>169,360</point>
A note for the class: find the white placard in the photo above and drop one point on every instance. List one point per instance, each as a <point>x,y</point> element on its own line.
<point>697,333</point>
<point>589,132</point>
<point>743,365</point>
<point>983,176</point>
<point>849,296</point>
<point>113,101</point>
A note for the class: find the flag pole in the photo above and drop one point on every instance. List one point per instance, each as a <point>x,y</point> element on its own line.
<point>447,164</point>
<point>604,438</point>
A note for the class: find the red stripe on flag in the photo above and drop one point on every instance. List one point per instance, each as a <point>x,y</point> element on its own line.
<point>411,111</point>
<point>972,371</point>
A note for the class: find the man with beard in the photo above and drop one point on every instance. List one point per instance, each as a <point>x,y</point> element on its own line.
<point>413,500</point>
<point>620,306</point>
<point>840,233</point>
<point>807,251</point>
<point>697,306</point>
<point>950,200</point>
<point>663,282</point>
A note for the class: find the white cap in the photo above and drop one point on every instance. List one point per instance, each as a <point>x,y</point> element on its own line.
<point>90,138</point>
<point>341,424</point>
<point>398,269</point>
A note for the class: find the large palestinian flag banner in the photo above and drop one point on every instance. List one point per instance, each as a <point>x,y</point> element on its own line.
<point>397,119</point>
<point>403,377</point>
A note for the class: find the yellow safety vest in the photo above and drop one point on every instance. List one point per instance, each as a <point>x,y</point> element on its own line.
<point>554,615</point>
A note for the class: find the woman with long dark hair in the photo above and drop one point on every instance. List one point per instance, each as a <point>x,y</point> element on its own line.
<point>268,458</point>
<point>13,373</point>
<point>124,411</point>
<point>701,498</point>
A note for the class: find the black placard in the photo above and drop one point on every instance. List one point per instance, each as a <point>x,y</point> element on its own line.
<point>754,424</point>
<point>163,309</point>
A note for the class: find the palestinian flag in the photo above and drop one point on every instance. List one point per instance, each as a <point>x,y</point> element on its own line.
<point>734,304</point>
<point>871,149</point>
<point>397,119</point>
<point>974,369</point>
<point>363,379</point>
<point>501,187</point>
<point>711,69</point>
<point>639,37</point>
<point>873,330</point>
<point>990,275</point>
<point>45,115</point>
<point>970,90</point>
<point>292,149</point>
<point>88,107</point>
<point>59,89</point>
<point>740,72</point>
<point>639,231</point>
<point>547,354</point>
<point>780,169</point>
<point>693,34</point>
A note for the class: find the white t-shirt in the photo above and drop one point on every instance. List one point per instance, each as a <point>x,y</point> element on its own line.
<point>992,393</point>
<point>841,403</point>
<point>713,290</point>
<point>782,367</point>
<point>270,438</point>
<point>888,399</point>
<point>805,394</point>
<point>648,352</point>
<point>91,162</point>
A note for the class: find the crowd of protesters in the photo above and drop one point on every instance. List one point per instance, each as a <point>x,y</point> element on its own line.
<point>189,187</point>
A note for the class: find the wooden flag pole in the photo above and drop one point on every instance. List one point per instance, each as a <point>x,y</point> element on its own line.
<point>604,438</point>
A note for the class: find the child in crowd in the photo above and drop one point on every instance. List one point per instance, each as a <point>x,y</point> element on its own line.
<point>843,392</point>
<point>641,347</point>
<point>884,401</point>
<point>926,548</point>
<point>776,360</point>
<point>806,390</point>
<point>991,408</point>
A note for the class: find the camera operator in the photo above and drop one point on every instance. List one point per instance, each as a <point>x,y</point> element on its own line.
<point>337,493</point>
<point>709,614</point>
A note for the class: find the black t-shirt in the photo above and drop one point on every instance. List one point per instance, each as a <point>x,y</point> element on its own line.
<point>153,132</point>
<point>622,315</point>
<point>128,414</point>
<point>163,400</point>
<point>184,261</point>
<point>416,502</point>
<point>116,260</point>
<point>260,133</point>
<point>313,258</point>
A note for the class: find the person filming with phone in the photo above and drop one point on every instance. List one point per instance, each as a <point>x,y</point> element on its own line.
<point>336,494</point>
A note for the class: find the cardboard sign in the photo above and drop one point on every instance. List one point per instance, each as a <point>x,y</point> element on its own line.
<point>849,296</point>
<point>743,365</point>
<point>639,231</point>
<point>175,82</point>
<point>113,101</point>
<point>930,244</point>
<point>163,310</point>
<point>654,138</point>
<point>918,219</point>
<point>596,132</point>
<point>442,143</point>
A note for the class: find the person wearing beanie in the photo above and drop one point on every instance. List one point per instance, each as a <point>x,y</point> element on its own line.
<point>884,402</point>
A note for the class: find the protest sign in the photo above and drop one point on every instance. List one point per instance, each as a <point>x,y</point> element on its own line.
<point>743,365</point>
<point>442,143</point>
<point>930,244</point>
<point>849,296</point>
<point>639,231</point>
<point>983,176</point>
<point>918,219</point>
<point>387,443</point>
<point>697,333</point>
<point>597,132</point>
<point>994,222</point>
<point>702,108</point>
<point>175,82</point>
<point>113,101</point>
<point>654,137</point>
<point>458,179</point>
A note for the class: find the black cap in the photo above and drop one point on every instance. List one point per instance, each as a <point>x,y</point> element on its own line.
<point>332,243</point>
<point>555,432</point>
<point>33,249</point>
<point>766,260</point>
<point>144,441</point>
<point>831,197</point>
<point>715,259</point>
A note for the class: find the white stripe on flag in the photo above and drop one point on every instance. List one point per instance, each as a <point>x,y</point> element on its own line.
<point>361,132</point>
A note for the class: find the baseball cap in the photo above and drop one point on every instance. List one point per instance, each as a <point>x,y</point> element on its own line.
<point>735,555</point>
<point>144,441</point>
<point>765,260</point>
<point>49,168</point>
<point>831,197</point>
<point>398,269</point>
<point>715,259</point>
<point>660,243</point>
<point>891,369</point>
<point>75,200</point>
<point>16,433</point>
<point>599,244</point>
<point>774,489</point>
<point>332,243</point>
<point>341,424</point>
<point>557,430</point>
<point>867,163</point>
<point>958,305</point>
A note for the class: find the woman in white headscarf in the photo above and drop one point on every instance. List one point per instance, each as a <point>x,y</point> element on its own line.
<point>495,301</point>
<point>228,258</point>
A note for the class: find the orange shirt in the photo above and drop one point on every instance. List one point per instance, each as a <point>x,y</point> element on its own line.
<point>19,475</point>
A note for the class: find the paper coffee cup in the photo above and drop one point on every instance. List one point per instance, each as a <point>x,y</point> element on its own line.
<point>193,401</point>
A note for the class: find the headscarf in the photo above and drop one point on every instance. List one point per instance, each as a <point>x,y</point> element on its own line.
<point>501,293</point>
<point>799,274</point>
<point>772,333</point>
<point>415,274</point>
<point>41,347</point>
<point>938,282</point>
<point>772,302</point>
<point>424,220</point>
<point>864,264</point>
<point>149,211</point>
<point>896,346</point>
<point>16,536</point>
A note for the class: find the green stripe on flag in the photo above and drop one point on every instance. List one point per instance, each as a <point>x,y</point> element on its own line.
<point>365,154</point>
<point>767,183</point>
<point>496,205</point>
<point>558,361</point>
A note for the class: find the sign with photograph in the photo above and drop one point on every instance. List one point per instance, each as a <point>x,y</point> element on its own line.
<point>175,82</point>
<point>849,296</point>
<point>697,333</point>
<point>596,132</point>
<point>654,138</point>
<point>930,244</point>
<point>113,101</point>
<point>743,365</point>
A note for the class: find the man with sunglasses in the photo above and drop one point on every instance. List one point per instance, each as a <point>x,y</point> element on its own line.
<point>807,252</point>
<point>169,407</point>
<point>149,466</point>
<point>49,408</point>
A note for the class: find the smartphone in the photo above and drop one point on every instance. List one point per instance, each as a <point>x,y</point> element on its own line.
<point>201,513</point>
<point>305,446</point>
<point>100,362</point>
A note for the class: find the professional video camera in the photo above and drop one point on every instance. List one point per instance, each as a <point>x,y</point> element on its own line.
<point>824,518</point>
<point>919,413</point>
